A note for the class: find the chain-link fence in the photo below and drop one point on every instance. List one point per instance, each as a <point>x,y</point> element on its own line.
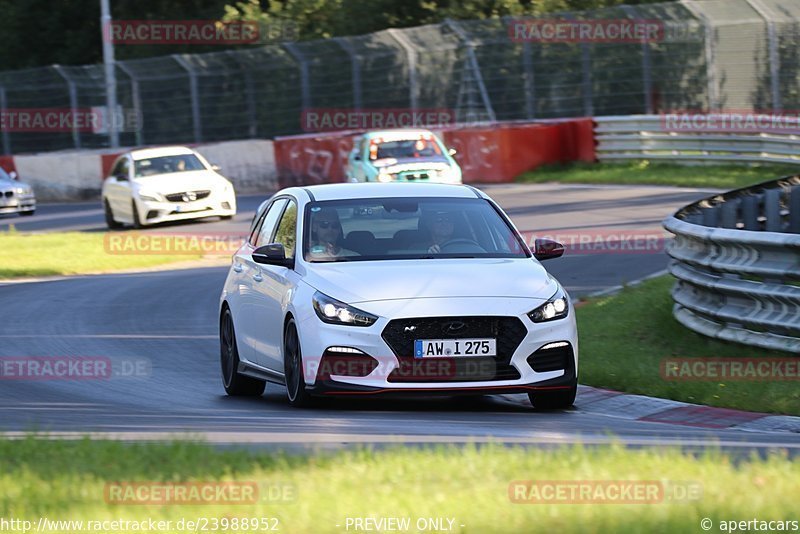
<point>710,55</point>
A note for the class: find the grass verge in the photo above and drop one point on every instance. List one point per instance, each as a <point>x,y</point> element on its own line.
<point>624,339</point>
<point>649,173</point>
<point>67,481</point>
<point>68,253</point>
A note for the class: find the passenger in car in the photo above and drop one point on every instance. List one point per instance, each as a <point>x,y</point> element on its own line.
<point>326,236</point>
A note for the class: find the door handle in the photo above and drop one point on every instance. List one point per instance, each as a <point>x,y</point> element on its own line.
<point>237,267</point>
<point>257,277</point>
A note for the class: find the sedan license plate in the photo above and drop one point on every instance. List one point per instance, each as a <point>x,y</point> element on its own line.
<point>448,348</point>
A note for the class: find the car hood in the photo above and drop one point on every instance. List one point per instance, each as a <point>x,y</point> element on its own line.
<point>181,181</point>
<point>367,281</point>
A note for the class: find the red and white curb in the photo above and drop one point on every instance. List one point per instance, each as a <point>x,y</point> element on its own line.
<point>656,410</point>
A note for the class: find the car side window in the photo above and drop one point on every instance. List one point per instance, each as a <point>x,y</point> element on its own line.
<point>121,167</point>
<point>286,234</point>
<point>264,233</point>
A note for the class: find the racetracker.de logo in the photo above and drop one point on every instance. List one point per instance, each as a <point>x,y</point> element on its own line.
<point>181,493</point>
<point>730,369</point>
<point>736,121</point>
<point>586,31</point>
<point>603,241</point>
<point>84,120</point>
<point>71,368</point>
<point>154,243</point>
<point>192,32</point>
<point>333,119</point>
<point>602,491</point>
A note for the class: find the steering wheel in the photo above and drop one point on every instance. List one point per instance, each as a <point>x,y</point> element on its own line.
<point>460,241</point>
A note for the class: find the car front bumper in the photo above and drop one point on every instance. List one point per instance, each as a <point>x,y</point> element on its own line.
<point>400,373</point>
<point>17,203</point>
<point>216,205</point>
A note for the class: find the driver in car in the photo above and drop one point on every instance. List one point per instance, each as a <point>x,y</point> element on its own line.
<point>440,228</point>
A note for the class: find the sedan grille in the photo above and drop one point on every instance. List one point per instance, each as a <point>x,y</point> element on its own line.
<point>400,335</point>
<point>188,196</point>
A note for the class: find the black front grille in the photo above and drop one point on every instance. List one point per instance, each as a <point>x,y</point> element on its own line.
<point>400,335</point>
<point>188,196</point>
<point>553,359</point>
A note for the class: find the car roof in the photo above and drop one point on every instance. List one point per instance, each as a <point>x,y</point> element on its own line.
<point>390,190</point>
<point>155,152</point>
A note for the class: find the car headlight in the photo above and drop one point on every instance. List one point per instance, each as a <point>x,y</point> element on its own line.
<point>385,177</point>
<point>332,311</point>
<point>149,197</point>
<point>556,307</point>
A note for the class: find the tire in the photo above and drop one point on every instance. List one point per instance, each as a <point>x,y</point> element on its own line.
<point>554,399</point>
<point>27,213</point>
<point>293,368</point>
<point>110,222</point>
<point>235,384</point>
<point>137,223</point>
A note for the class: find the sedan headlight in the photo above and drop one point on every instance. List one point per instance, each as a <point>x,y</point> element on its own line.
<point>332,311</point>
<point>385,177</point>
<point>149,197</point>
<point>556,307</point>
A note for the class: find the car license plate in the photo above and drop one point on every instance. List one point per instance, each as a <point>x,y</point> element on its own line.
<point>448,348</point>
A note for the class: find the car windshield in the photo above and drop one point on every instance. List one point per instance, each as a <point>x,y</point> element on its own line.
<point>167,164</point>
<point>4,177</point>
<point>404,148</point>
<point>407,228</point>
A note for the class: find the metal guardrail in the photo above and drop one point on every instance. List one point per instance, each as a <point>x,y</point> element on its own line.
<point>736,257</point>
<point>654,137</point>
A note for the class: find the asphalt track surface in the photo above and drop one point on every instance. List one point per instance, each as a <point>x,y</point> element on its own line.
<point>167,322</point>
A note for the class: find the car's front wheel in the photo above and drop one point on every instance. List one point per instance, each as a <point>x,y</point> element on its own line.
<point>137,223</point>
<point>293,367</point>
<point>553,399</point>
<point>235,383</point>
<point>110,222</point>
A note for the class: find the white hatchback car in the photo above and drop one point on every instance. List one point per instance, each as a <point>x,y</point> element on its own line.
<point>155,185</point>
<point>364,289</point>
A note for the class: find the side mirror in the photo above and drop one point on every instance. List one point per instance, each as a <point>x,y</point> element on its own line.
<point>216,168</point>
<point>13,175</point>
<point>357,157</point>
<point>452,151</point>
<point>272,254</point>
<point>121,177</point>
<point>546,249</point>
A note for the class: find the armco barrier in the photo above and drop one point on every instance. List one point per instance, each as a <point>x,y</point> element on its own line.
<point>657,137</point>
<point>736,257</point>
<point>496,152</point>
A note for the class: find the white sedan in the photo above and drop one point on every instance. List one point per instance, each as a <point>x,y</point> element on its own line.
<point>155,185</point>
<point>368,289</point>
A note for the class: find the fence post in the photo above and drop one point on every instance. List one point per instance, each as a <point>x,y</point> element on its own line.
<point>710,52</point>
<point>774,58</point>
<point>647,72</point>
<point>355,68</point>
<point>249,89</point>
<point>3,110</point>
<point>73,104</point>
<point>194,93</point>
<point>473,63</point>
<point>305,83</point>
<point>136,99</point>
<point>586,76</point>
<point>411,55</point>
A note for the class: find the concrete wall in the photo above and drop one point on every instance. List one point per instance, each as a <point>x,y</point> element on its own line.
<point>78,175</point>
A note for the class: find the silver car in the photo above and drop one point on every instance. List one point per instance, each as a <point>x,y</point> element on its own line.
<point>15,196</point>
